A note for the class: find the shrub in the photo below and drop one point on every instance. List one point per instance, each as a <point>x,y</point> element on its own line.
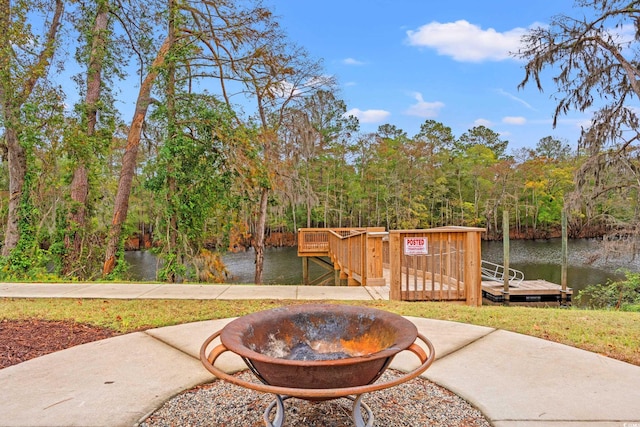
<point>621,294</point>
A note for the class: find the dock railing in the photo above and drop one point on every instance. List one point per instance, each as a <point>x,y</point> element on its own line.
<point>495,272</point>
<point>356,253</point>
<point>441,264</point>
<point>316,240</point>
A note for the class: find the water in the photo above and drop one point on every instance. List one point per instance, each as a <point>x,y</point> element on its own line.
<point>142,265</point>
<point>282,266</point>
<point>539,259</point>
<point>542,259</point>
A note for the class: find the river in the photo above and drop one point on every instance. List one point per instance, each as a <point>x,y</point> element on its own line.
<point>537,259</point>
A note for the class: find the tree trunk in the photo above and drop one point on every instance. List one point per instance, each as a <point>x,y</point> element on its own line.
<point>79,190</point>
<point>17,172</point>
<point>171,137</point>
<point>308,203</point>
<point>259,240</point>
<point>79,193</point>
<point>13,94</point>
<point>293,216</point>
<point>121,204</point>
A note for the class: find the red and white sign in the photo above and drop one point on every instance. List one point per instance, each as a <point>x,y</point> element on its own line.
<point>416,246</point>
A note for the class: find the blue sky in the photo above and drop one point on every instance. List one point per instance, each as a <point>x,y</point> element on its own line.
<point>406,61</point>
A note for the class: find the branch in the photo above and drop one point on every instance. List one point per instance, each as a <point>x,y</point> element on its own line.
<point>39,68</point>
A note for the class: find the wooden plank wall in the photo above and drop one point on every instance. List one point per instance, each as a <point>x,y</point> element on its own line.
<point>449,272</point>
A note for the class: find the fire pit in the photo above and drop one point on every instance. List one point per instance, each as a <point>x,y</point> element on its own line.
<point>318,352</point>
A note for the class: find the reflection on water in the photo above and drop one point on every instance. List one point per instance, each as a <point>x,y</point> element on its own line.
<point>539,259</point>
<point>281,266</point>
<point>142,265</point>
<point>542,259</point>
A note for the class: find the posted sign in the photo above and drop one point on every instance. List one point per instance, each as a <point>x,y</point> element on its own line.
<point>416,246</point>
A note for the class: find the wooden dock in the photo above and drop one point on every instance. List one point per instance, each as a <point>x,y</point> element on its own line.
<point>525,291</point>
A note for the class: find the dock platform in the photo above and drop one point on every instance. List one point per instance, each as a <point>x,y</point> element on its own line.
<point>525,291</point>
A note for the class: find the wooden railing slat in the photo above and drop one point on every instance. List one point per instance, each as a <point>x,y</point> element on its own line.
<point>450,270</point>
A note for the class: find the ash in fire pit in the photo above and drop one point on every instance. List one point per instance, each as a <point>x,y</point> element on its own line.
<point>303,350</point>
<point>332,347</point>
<point>316,336</point>
<point>317,350</point>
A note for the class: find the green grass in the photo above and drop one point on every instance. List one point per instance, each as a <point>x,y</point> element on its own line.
<point>611,333</point>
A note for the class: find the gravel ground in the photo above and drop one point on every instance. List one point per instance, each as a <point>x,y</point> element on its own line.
<point>416,403</point>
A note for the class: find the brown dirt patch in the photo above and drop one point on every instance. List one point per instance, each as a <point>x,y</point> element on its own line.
<point>21,340</point>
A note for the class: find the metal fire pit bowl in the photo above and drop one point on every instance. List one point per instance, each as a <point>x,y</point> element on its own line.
<point>318,352</point>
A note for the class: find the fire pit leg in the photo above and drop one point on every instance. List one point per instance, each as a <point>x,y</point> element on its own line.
<point>278,421</point>
<point>358,404</point>
<point>356,413</point>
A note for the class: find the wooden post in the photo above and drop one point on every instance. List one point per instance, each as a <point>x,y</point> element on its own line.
<point>505,242</point>
<point>373,259</point>
<point>305,270</point>
<point>350,262</point>
<point>472,273</point>
<point>343,278</point>
<point>395,260</point>
<point>563,273</point>
<point>363,260</point>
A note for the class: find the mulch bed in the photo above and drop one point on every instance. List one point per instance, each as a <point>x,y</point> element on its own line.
<point>21,340</point>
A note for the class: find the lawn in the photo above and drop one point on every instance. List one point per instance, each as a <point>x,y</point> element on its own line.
<point>611,333</point>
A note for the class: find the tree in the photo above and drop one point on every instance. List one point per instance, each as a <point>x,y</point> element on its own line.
<point>127,171</point>
<point>390,174</point>
<point>553,148</point>
<point>315,138</point>
<point>210,40</point>
<point>364,158</point>
<point>86,142</point>
<point>481,135</point>
<point>193,181</point>
<point>596,61</point>
<point>274,74</point>
<point>439,142</point>
<point>594,70</point>
<point>25,58</point>
<point>331,169</point>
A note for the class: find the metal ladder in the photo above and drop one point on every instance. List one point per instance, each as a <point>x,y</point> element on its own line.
<point>495,272</point>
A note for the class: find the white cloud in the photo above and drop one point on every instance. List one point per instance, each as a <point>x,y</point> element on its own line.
<point>483,122</point>
<point>424,109</point>
<point>577,123</point>
<point>511,120</point>
<point>368,116</point>
<point>515,98</point>
<point>624,33</point>
<point>466,42</point>
<point>352,61</point>
<point>286,89</point>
